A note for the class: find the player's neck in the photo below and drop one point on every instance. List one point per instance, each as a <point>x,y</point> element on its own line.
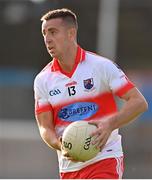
<point>67,62</point>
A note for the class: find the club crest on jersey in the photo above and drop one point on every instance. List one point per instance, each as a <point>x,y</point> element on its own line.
<point>88,83</point>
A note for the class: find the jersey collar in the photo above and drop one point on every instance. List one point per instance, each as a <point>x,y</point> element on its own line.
<point>80,56</point>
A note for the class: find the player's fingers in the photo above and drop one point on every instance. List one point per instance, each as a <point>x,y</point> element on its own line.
<point>97,132</point>
<point>64,152</point>
<point>102,140</point>
<point>98,142</point>
<point>95,139</point>
<point>93,122</point>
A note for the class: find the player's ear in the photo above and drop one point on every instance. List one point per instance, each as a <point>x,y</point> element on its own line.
<point>72,33</point>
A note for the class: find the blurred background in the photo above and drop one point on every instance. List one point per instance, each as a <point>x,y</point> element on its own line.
<point>118,29</point>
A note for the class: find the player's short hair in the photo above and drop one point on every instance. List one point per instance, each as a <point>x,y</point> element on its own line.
<point>67,15</point>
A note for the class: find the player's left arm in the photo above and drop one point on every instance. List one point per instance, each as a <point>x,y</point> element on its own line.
<point>135,104</point>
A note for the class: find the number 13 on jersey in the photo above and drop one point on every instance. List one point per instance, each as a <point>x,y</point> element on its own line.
<point>71,90</point>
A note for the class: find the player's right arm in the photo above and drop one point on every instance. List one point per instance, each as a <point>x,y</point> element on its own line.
<point>47,131</point>
<point>44,115</point>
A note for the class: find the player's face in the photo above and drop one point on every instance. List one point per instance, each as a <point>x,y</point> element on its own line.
<point>56,37</point>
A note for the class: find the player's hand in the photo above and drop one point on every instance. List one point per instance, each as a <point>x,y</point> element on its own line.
<point>65,153</point>
<point>102,132</point>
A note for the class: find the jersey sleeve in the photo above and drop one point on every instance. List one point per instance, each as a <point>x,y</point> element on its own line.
<point>118,82</point>
<point>41,101</point>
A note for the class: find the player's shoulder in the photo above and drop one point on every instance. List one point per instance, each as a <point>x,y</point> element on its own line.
<point>43,73</point>
<point>98,59</point>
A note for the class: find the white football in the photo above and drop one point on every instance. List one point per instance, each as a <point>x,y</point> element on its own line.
<point>76,140</point>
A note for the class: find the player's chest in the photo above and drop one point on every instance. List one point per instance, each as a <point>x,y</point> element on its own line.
<point>62,89</point>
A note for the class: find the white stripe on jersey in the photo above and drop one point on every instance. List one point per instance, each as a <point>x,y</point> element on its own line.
<point>119,167</point>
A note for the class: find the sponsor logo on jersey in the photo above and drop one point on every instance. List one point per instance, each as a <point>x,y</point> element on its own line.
<point>88,83</point>
<point>78,111</point>
<point>54,92</point>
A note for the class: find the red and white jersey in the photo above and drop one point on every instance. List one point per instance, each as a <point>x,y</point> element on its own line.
<point>85,94</point>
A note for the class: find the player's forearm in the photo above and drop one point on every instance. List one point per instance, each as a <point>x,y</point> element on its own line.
<point>131,110</point>
<point>50,139</point>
